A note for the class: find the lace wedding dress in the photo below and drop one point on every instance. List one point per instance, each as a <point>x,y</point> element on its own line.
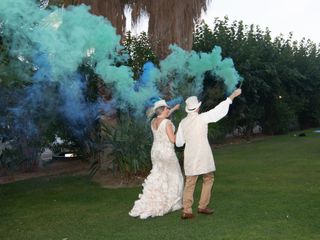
<point>162,189</point>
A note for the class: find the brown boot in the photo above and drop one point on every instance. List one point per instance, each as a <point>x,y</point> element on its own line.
<point>187,215</point>
<point>206,211</point>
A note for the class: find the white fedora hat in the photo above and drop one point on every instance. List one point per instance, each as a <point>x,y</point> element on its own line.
<point>160,103</point>
<point>192,104</point>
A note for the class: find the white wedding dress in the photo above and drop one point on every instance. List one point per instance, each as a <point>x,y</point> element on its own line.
<point>162,189</point>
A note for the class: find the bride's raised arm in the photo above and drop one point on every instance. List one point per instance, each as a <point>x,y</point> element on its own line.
<point>176,107</point>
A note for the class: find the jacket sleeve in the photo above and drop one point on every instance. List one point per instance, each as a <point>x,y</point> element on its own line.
<point>180,141</point>
<point>215,114</point>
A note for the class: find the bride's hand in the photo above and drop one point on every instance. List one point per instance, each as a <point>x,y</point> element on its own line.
<point>176,107</point>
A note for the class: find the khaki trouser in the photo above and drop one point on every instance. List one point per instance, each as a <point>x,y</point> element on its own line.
<point>190,185</point>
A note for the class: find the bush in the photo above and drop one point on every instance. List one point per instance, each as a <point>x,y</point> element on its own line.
<point>281,119</point>
<point>130,142</point>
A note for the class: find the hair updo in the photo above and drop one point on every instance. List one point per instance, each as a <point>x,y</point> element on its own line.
<point>159,110</point>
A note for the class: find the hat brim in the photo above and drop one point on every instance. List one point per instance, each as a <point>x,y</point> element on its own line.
<point>194,109</point>
<point>160,103</point>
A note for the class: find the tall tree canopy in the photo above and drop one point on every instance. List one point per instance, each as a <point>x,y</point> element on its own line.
<point>170,21</point>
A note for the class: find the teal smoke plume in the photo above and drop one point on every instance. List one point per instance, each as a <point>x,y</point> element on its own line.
<point>183,68</point>
<point>50,44</point>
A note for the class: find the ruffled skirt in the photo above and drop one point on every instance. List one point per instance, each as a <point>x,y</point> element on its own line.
<point>162,193</point>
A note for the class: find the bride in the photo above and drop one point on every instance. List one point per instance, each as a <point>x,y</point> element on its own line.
<point>162,189</point>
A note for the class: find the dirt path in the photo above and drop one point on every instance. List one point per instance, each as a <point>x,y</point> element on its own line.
<point>53,169</point>
<point>107,179</point>
<point>104,178</point>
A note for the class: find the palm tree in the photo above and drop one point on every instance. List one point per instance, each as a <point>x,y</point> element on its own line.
<point>170,21</point>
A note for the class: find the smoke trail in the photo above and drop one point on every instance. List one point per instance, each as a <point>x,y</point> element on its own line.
<point>175,101</point>
<point>145,88</point>
<point>184,71</point>
<point>48,46</point>
<point>52,44</point>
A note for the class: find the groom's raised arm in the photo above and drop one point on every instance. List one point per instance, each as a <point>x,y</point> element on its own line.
<point>215,114</point>
<point>221,110</point>
<point>179,137</point>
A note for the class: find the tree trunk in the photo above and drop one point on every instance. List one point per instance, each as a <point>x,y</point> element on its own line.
<point>170,21</point>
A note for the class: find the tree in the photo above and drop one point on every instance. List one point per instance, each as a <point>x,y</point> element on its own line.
<point>170,21</point>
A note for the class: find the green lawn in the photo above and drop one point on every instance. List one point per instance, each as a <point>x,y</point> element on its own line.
<point>267,189</point>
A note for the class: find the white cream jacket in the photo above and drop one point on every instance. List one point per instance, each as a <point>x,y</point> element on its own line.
<point>193,132</point>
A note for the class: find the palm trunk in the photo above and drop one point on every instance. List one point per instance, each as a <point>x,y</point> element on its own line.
<point>170,22</point>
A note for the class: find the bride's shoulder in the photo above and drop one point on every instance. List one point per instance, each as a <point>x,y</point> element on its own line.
<point>168,121</point>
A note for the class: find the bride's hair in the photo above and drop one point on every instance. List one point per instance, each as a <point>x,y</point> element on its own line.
<point>159,110</point>
<point>152,113</point>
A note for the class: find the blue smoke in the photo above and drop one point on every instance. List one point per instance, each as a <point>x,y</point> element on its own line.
<point>48,46</point>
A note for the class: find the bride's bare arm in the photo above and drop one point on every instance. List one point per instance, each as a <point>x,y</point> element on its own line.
<point>170,133</point>
<point>176,107</point>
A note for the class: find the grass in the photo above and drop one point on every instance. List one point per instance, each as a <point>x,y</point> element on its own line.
<point>268,189</point>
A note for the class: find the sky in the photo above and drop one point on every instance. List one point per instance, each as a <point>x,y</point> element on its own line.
<point>301,17</point>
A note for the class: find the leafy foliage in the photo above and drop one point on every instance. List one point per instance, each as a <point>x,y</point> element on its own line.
<point>280,93</point>
<point>139,51</point>
<point>130,141</point>
<point>281,76</point>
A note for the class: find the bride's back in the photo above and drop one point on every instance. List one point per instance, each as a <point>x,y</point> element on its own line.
<point>158,127</point>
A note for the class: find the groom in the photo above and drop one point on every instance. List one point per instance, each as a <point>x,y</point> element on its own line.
<point>198,158</point>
